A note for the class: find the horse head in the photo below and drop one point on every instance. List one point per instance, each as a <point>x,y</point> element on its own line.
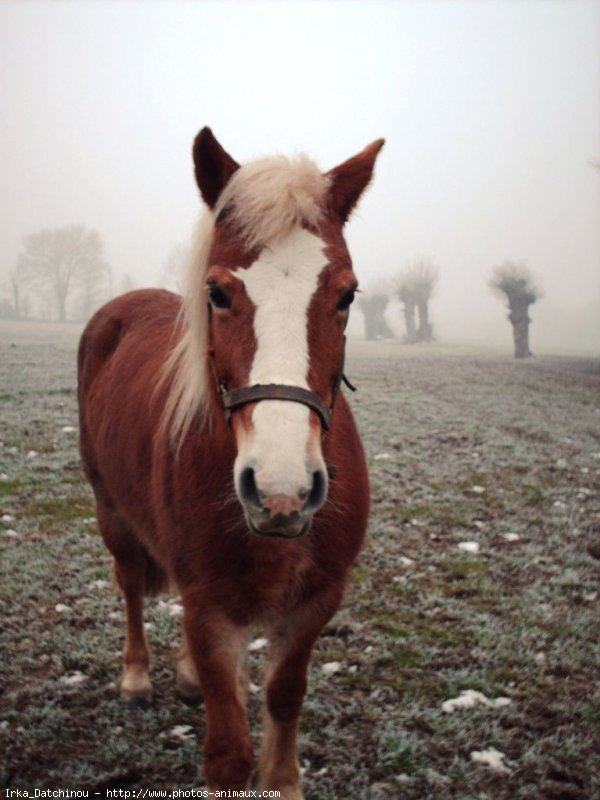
<point>277,285</point>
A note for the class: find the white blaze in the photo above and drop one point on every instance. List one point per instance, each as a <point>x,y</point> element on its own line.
<point>281,283</point>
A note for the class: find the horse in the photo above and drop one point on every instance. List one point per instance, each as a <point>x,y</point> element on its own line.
<point>224,459</point>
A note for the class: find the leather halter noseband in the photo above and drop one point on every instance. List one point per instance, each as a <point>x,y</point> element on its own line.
<point>296,394</point>
<point>277,391</point>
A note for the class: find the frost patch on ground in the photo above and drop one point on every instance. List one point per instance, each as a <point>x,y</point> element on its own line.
<point>258,644</point>
<point>468,547</point>
<point>469,698</point>
<point>74,679</point>
<point>492,758</point>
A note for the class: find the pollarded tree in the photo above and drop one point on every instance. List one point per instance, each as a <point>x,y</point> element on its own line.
<point>514,281</point>
<point>55,261</point>
<point>415,289</point>
<point>373,305</point>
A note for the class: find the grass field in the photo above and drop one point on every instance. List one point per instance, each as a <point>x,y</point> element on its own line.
<point>480,573</point>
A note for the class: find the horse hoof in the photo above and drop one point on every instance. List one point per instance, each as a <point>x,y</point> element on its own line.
<point>188,693</point>
<point>136,700</point>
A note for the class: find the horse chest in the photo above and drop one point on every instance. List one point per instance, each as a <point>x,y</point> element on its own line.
<point>256,589</point>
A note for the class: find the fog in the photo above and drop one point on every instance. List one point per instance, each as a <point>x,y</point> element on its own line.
<point>491,112</point>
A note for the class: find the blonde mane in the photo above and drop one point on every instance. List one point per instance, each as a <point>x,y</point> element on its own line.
<point>265,200</point>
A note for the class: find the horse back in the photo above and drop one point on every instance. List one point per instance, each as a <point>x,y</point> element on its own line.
<point>121,353</point>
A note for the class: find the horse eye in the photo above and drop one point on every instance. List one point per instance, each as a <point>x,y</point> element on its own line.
<point>346,300</point>
<point>218,297</point>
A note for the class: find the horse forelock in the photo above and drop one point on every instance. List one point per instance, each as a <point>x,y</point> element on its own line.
<point>268,198</point>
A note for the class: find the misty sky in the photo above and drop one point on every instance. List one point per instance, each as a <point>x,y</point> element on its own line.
<point>491,111</point>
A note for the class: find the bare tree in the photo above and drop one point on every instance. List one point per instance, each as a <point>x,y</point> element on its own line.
<point>173,273</point>
<point>514,281</point>
<point>54,261</point>
<point>409,305</point>
<point>373,304</point>
<point>416,286</point>
<point>15,283</point>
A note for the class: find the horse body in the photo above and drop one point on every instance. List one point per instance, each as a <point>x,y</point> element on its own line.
<point>218,509</point>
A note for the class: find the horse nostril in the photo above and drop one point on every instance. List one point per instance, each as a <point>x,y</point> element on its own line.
<point>248,489</point>
<point>317,494</point>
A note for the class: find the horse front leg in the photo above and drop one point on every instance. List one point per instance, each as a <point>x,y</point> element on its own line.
<point>292,641</point>
<point>218,649</point>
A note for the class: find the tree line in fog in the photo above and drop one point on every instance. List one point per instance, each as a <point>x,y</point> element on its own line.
<point>415,286</point>
<point>61,274</point>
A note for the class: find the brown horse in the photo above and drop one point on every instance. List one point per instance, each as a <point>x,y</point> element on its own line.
<point>225,463</point>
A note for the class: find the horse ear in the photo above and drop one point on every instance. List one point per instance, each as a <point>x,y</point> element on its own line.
<point>349,180</point>
<point>213,166</point>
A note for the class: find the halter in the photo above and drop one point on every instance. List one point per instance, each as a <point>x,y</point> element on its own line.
<point>236,398</point>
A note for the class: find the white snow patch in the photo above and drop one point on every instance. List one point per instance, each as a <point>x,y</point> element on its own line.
<point>590,597</point>
<point>98,585</point>
<point>7,518</point>
<point>511,537</point>
<point>73,679</point>
<point>12,534</point>
<point>68,429</point>
<point>182,731</point>
<point>492,758</point>
<point>478,489</point>
<point>405,561</point>
<point>469,698</point>
<point>254,689</point>
<point>32,454</point>
<point>3,476</point>
<point>331,667</point>
<point>61,608</point>
<point>258,644</point>
<point>171,606</point>
<point>381,456</point>
<point>469,547</point>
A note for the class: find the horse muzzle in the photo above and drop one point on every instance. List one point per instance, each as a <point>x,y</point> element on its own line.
<point>284,516</point>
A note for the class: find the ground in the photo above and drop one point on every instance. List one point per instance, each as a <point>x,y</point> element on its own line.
<point>480,573</point>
